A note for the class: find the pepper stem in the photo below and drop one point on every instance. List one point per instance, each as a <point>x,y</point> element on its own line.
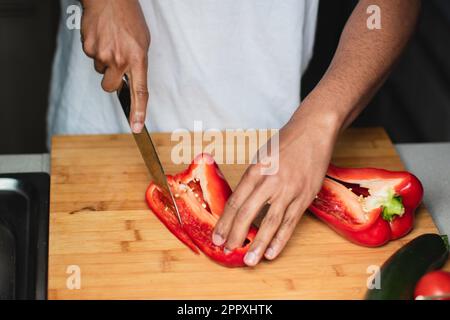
<point>445,239</point>
<point>393,207</point>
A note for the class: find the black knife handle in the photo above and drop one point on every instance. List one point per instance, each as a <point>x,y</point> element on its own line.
<point>125,97</point>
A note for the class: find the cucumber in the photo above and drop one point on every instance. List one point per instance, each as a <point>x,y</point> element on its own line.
<point>400,273</point>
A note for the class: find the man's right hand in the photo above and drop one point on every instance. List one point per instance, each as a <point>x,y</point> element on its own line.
<point>115,34</point>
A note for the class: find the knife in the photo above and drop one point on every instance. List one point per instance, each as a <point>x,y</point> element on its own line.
<point>146,147</point>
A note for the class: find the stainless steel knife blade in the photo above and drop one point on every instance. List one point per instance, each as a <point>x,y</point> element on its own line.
<point>147,148</point>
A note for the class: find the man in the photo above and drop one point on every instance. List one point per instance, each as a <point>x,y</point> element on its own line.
<point>231,64</point>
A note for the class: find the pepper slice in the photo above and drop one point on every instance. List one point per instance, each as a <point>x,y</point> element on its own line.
<point>368,206</point>
<point>201,193</point>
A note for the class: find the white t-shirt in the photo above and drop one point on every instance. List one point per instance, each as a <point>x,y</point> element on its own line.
<point>230,64</point>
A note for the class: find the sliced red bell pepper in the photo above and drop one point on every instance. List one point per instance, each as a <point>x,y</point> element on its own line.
<point>368,206</point>
<point>201,193</point>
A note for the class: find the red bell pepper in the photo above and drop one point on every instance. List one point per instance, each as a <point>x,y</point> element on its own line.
<point>200,193</point>
<point>368,206</point>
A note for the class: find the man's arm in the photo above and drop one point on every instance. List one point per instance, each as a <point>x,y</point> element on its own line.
<point>115,34</point>
<point>365,57</point>
<point>361,63</point>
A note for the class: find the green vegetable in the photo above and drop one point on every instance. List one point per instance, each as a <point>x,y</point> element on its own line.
<point>400,273</point>
<point>392,208</point>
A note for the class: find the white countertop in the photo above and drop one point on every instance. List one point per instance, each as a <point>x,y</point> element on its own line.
<point>430,162</point>
<point>25,163</point>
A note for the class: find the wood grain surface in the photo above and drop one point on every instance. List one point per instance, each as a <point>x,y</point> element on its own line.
<point>101,224</point>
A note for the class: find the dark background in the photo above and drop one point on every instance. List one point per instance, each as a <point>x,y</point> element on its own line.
<point>413,105</point>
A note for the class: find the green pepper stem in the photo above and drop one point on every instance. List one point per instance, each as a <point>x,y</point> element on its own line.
<point>445,239</point>
<point>393,207</point>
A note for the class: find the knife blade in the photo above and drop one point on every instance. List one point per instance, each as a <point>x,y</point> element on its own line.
<point>147,148</point>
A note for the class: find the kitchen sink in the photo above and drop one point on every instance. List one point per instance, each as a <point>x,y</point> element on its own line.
<point>24,221</point>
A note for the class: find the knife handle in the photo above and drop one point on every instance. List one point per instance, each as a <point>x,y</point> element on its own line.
<point>124,97</point>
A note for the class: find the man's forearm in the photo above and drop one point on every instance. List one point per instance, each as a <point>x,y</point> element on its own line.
<point>363,60</point>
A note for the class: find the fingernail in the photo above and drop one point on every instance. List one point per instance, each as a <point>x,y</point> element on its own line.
<point>250,258</point>
<point>270,253</point>
<point>226,250</point>
<point>217,239</point>
<point>137,127</point>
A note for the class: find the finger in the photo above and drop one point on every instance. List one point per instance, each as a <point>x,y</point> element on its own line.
<point>246,214</point>
<point>112,80</point>
<point>267,230</point>
<point>89,45</point>
<point>139,95</point>
<point>293,214</point>
<point>245,187</point>
<point>99,66</point>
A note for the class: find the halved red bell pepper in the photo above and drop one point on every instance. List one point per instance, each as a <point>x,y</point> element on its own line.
<point>368,206</point>
<point>200,193</point>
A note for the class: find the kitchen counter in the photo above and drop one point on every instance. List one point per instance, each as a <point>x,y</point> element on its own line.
<point>429,161</point>
<point>25,163</point>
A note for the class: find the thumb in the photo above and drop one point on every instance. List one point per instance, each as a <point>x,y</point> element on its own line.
<point>139,95</point>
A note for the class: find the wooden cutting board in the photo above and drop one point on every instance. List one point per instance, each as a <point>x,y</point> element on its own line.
<point>102,230</point>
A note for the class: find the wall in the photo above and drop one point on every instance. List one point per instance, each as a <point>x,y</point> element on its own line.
<point>27,39</point>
